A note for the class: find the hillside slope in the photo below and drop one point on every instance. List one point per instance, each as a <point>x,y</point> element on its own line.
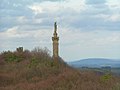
<point>35,70</point>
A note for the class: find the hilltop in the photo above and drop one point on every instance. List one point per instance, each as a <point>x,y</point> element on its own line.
<point>36,70</point>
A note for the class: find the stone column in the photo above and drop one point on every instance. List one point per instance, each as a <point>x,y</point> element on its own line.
<point>55,40</point>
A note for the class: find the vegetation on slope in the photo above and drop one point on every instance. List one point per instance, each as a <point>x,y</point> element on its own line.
<point>36,70</point>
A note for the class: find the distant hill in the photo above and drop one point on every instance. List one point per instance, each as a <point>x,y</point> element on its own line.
<point>95,62</point>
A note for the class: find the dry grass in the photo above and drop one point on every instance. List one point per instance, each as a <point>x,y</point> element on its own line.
<point>35,70</point>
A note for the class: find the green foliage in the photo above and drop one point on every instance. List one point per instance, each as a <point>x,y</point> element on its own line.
<point>12,57</point>
<point>106,77</point>
<point>33,63</point>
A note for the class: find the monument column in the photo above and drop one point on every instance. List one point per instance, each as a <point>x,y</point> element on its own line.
<point>55,40</point>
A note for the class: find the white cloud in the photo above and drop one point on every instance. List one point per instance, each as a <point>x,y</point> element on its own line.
<point>115,18</point>
<point>16,32</point>
<point>90,37</point>
<point>44,7</point>
<point>113,4</point>
<point>58,7</point>
<point>108,40</point>
<point>36,8</point>
<point>77,5</point>
<point>111,17</point>
<point>103,16</point>
<point>22,19</point>
<point>12,33</point>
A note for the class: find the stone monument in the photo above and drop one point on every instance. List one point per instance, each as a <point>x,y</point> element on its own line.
<point>55,40</point>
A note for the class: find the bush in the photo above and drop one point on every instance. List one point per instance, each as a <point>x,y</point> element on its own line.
<point>42,54</point>
<point>12,57</point>
<point>106,77</point>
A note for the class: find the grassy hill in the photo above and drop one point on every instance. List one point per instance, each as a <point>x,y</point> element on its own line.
<point>35,70</point>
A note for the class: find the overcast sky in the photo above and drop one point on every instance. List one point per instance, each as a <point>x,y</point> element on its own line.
<point>87,28</point>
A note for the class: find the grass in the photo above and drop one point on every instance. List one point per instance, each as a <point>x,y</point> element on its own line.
<point>36,70</point>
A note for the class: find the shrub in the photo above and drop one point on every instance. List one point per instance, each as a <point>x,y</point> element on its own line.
<point>12,57</point>
<point>33,63</point>
<point>106,77</point>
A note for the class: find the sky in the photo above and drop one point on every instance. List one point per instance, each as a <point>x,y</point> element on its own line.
<point>86,28</point>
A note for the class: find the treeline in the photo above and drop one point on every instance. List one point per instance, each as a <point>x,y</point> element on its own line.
<point>20,55</point>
